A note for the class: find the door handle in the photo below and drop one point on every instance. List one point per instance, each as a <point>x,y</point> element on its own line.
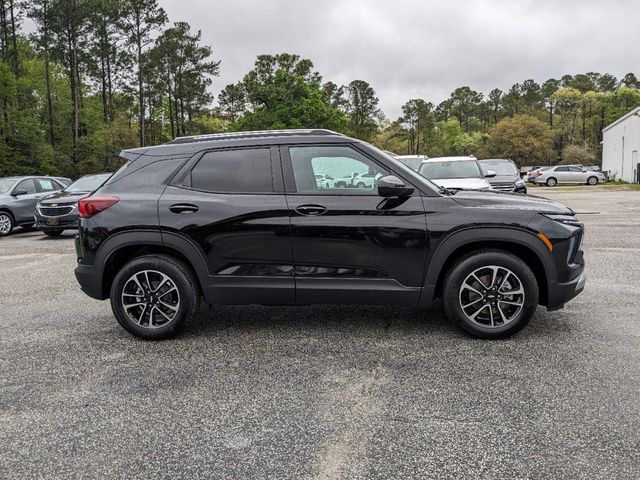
<point>183,208</point>
<point>311,210</point>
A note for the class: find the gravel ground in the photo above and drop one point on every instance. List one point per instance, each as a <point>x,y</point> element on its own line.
<point>323,392</point>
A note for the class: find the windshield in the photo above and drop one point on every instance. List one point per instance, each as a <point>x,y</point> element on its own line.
<point>449,170</point>
<point>88,183</point>
<point>501,167</point>
<point>6,184</point>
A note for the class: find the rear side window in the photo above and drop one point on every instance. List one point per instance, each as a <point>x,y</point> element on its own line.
<point>234,171</point>
<point>47,185</point>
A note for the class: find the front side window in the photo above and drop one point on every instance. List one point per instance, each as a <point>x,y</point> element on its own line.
<point>335,170</point>
<point>576,169</point>
<point>451,169</point>
<point>234,171</point>
<point>27,186</point>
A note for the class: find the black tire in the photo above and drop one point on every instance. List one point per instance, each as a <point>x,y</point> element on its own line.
<point>361,185</point>
<point>341,185</point>
<point>453,294</point>
<point>183,280</point>
<point>7,223</point>
<point>53,233</point>
<point>551,182</point>
<point>592,181</point>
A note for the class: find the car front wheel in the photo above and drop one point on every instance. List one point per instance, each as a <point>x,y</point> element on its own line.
<point>152,296</point>
<point>490,294</point>
<point>6,224</point>
<point>592,180</point>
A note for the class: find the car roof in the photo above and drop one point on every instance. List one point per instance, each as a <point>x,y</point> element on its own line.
<point>449,159</point>
<point>186,146</point>
<point>411,156</point>
<point>496,160</point>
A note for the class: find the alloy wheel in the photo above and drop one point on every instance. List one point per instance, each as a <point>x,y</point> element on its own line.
<point>5,224</point>
<point>150,299</point>
<point>491,296</point>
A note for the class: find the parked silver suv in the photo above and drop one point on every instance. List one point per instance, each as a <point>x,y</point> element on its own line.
<point>19,197</point>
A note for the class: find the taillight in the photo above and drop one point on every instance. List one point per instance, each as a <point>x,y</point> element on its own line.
<point>90,206</point>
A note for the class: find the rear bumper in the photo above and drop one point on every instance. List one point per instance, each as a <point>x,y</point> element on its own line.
<point>90,280</point>
<point>561,293</point>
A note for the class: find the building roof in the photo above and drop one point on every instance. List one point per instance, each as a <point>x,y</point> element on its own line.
<point>635,111</point>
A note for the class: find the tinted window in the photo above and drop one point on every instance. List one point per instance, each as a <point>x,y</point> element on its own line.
<point>241,171</point>
<point>48,185</point>
<point>27,185</point>
<point>334,170</point>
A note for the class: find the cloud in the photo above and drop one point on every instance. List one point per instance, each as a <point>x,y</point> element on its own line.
<point>421,49</point>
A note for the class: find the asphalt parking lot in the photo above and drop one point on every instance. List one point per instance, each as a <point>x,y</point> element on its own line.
<point>323,392</point>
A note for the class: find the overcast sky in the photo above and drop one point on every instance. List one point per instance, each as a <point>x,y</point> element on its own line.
<point>421,49</point>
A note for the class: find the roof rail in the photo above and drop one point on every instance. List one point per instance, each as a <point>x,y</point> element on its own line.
<point>254,134</point>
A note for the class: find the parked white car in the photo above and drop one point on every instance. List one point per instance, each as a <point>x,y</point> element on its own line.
<point>457,173</point>
<point>324,181</point>
<point>569,174</point>
<point>366,180</point>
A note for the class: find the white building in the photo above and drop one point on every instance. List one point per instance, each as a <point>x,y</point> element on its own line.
<point>620,147</point>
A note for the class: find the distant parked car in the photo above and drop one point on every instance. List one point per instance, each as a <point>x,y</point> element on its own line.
<point>366,180</point>
<point>412,161</point>
<point>533,174</point>
<point>569,174</point>
<point>59,212</point>
<point>64,181</point>
<point>456,173</point>
<point>19,197</point>
<point>507,177</point>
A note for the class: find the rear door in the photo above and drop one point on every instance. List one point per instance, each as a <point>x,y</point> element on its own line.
<point>230,203</point>
<point>349,244</point>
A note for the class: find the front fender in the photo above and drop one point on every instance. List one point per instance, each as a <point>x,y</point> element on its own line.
<point>485,237</point>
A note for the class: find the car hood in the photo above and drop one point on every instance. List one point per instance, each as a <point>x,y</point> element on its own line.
<point>63,197</point>
<point>462,183</point>
<point>504,179</point>
<point>510,201</point>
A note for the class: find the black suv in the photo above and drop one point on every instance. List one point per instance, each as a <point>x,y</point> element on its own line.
<point>240,219</point>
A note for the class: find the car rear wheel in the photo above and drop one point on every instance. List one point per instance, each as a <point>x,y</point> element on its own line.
<point>6,224</point>
<point>361,185</point>
<point>551,182</point>
<point>53,233</point>
<point>152,296</point>
<point>592,180</point>
<point>490,294</point>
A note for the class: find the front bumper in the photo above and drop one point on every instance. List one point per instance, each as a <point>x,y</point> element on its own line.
<point>561,293</point>
<point>64,222</point>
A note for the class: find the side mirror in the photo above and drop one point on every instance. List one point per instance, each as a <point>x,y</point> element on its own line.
<point>392,186</point>
<point>15,193</point>
<point>490,174</point>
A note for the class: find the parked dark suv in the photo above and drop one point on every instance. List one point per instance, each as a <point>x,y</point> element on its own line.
<point>240,219</point>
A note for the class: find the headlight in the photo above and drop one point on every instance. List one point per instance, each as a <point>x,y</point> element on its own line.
<point>565,219</point>
<point>519,183</point>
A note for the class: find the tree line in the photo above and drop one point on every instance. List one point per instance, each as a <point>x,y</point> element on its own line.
<point>93,77</point>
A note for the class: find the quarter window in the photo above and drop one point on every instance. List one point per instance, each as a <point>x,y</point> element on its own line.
<point>237,171</point>
<point>335,170</point>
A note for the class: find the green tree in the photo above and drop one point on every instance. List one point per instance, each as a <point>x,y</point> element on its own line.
<point>362,109</point>
<point>283,91</point>
<point>523,138</point>
<point>464,104</point>
<point>139,19</point>
<point>577,155</point>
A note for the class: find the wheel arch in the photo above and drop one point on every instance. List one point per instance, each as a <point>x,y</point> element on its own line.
<point>124,247</point>
<point>520,243</point>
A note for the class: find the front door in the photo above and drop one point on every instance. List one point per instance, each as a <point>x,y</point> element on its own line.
<point>24,205</point>
<point>349,244</point>
<point>231,204</point>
